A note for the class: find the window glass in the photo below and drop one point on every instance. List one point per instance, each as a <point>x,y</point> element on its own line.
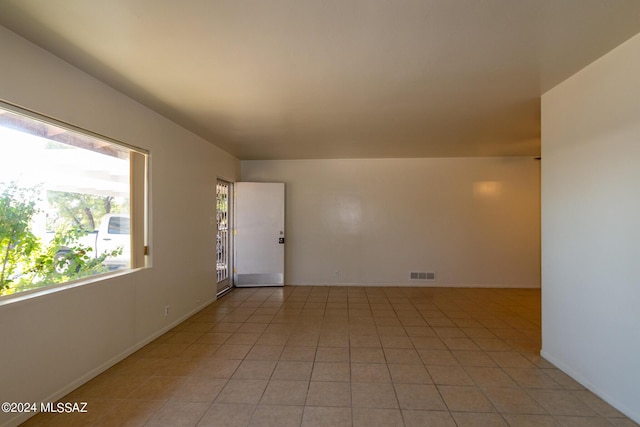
<point>64,203</point>
<point>118,225</point>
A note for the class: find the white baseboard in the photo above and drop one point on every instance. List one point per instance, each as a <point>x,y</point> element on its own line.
<point>20,418</point>
<point>629,412</point>
<point>426,284</point>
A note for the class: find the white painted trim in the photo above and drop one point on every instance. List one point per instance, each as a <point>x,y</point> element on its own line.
<point>425,284</point>
<point>590,386</point>
<point>21,418</point>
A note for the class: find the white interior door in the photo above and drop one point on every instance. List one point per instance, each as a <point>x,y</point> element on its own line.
<point>259,237</point>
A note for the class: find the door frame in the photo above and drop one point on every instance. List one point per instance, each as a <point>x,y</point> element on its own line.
<point>225,284</point>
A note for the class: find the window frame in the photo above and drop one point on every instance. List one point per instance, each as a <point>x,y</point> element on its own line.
<point>138,206</point>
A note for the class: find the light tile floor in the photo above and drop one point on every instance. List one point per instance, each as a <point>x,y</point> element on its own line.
<point>345,356</point>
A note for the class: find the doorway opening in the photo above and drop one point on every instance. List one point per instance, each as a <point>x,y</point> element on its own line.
<point>223,236</point>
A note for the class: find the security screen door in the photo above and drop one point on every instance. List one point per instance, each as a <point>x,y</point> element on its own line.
<point>223,237</point>
<point>259,237</point>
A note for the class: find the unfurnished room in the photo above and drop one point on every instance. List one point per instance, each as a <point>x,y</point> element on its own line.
<point>319,213</point>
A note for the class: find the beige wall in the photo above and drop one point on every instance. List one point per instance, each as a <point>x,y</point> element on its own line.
<point>53,343</point>
<point>474,221</point>
<point>591,227</point>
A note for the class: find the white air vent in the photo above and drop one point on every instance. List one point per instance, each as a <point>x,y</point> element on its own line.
<point>429,276</point>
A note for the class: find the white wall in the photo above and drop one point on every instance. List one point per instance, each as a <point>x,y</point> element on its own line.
<point>591,227</point>
<point>474,221</point>
<point>53,343</point>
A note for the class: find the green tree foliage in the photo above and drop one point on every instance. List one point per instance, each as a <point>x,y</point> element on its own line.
<point>17,242</point>
<point>82,211</point>
<point>25,263</point>
<point>64,259</point>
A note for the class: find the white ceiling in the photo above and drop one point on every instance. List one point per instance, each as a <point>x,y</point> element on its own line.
<point>283,79</point>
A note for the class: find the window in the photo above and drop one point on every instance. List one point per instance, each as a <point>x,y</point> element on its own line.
<point>119,225</point>
<point>72,204</point>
